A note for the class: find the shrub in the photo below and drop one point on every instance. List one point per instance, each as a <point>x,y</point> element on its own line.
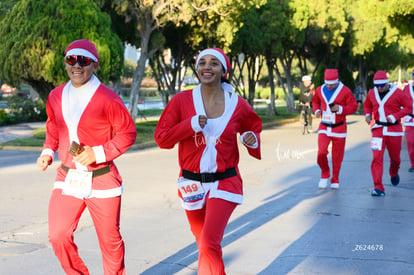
<point>24,109</point>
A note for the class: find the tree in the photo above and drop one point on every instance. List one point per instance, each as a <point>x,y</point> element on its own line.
<point>170,63</point>
<point>5,7</point>
<point>36,33</point>
<point>150,16</point>
<point>250,43</point>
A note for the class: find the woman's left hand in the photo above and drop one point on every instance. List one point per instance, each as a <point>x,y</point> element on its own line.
<point>249,139</point>
<point>87,157</point>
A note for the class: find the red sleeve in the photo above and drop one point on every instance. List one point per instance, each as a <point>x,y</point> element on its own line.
<point>251,122</point>
<point>175,121</point>
<point>368,103</point>
<point>52,129</point>
<point>406,102</point>
<point>123,128</point>
<point>351,105</point>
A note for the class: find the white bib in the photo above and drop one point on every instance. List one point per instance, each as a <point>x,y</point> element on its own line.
<point>328,117</point>
<point>376,143</point>
<point>78,183</point>
<point>192,192</point>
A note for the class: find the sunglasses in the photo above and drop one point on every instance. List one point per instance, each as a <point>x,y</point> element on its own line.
<point>81,60</point>
<point>380,85</point>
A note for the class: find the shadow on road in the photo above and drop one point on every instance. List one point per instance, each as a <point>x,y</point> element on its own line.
<point>345,218</point>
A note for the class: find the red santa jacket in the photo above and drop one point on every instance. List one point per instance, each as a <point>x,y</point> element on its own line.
<point>104,122</point>
<point>343,97</point>
<point>409,119</point>
<point>176,126</point>
<point>396,103</point>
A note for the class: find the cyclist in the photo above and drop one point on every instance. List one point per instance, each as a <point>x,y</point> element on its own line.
<point>305,101</point>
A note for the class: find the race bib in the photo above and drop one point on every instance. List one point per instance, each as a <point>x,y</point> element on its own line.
<point>78,183</point>
<point>328,118</point>
<point>376,143</point>
<point>192,192</point>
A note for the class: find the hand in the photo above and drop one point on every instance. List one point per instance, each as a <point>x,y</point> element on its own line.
<point>335,108</point>
<point>389,119</point>
<point>43,162</point>
<point>249,139</point>
<point>368,119</point>
<point>87,157</point>
<point>202,120</point>
<point>318,114</point>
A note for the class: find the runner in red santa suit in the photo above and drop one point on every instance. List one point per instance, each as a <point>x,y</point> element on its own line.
<point>384,107</point>
<point>87,112</point>
<point>205,122</point>
<point>332,102</point>
<point>409,125</point>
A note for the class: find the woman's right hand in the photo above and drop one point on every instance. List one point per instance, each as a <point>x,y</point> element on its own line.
<point>44,161</point>
<point>202,120</point>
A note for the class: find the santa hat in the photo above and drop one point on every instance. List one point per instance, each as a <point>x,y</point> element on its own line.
<point>331,76</point>
<point>83,47</point>
<point>217,53</point>
<point>380,77</point>
<point>306,78</point>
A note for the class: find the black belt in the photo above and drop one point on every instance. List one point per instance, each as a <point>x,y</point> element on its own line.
<point>333,125</point>
<point>209,177</point>
<point>386,123</point>
<point>95,173</point>
<point>411,115</point>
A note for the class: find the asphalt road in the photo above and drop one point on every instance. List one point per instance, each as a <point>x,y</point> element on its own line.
<point>286,225</point>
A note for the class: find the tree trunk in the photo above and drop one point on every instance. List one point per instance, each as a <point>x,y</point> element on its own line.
<point>271,110</point>
<point>139,72</point>
<point>43,88</point>
<point>289,97</point>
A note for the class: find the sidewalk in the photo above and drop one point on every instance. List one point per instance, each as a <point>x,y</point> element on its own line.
<point>22,130</point>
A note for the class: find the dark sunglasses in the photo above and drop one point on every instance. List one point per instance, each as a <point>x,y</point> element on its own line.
<point>81,60</point>
<point>380,85</point>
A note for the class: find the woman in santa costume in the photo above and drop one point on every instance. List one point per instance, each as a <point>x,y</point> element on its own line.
<point>409,125</point>
<point>83,111</point>
<point>332,102</point>
<point>205,122</point>
<point>384,107</point>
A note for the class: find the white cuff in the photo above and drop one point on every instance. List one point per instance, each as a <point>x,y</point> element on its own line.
<point>393,120</point>
<point>48,152</point>
<point>317,111</point>
<point>340,110</point>
<point>195,125</point>
<point>255,144</point>
<point>99,154</point>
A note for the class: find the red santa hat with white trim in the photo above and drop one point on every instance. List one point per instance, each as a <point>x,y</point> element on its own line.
<point>83,47</point>
<point>380,77</point>
<point>331,76</point>
<point>217,53</point>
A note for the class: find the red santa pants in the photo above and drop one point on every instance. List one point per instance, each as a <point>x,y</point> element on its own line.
<point>64,214</point>
<point>410,143</point>
<point>338,150</point>
<point>207,225</point>
<point>393,145</point>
